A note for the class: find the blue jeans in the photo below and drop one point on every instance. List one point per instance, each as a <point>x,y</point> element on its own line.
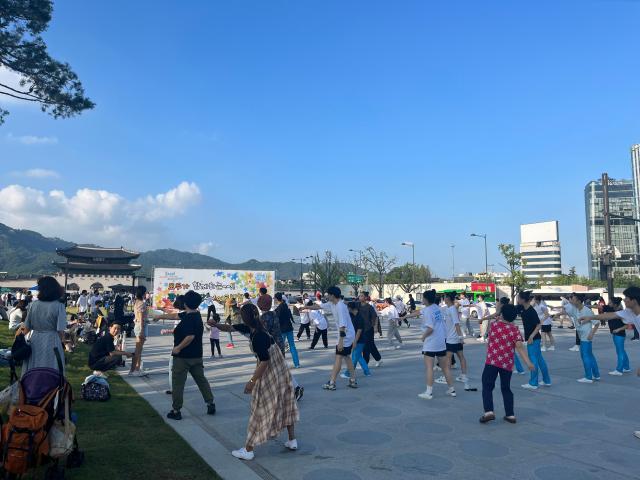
<point>357,358</point>
<point>589,360</point>
<point>535,355</point>
<point>518,363</point>
<point>623,359</point>
<point>292,347</point>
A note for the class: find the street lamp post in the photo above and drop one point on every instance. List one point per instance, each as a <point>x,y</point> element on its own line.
<point>486,262</point>
<point>301,267</point>
<point>453,261</point>
<point>413,259</point>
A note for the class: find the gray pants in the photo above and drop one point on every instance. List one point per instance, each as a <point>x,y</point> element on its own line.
<point>392,331</point>
<point>466,321</point>
<point>179,370</point>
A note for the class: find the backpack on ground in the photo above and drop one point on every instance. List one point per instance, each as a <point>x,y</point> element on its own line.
<point>24,437</point>
<point>95,389</point>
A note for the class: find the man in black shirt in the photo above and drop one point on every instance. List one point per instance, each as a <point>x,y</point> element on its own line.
<point>370,317</point>
<point>103,355</point>
<point>286,326</point>
<point>187,356</point>
<point>532,326</point>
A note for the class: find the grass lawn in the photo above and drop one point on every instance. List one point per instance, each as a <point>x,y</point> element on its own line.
<point>123,438</point>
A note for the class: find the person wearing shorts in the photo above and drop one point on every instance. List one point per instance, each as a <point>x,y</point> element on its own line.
<point>434,337</point>
<point>346,336</point>
<point>454,340</point>
<point>140,330</point>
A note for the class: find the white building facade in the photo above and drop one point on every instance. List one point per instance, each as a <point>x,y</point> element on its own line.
<point>540,249</point>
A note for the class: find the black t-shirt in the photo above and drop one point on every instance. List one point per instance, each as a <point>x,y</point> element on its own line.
<point>190,324</point>
<point>368,315</point>
<point>358,324</point>
<point>614,325</point>
<point>285,317</point>
<point>102,348</point>
<point>530,320</point>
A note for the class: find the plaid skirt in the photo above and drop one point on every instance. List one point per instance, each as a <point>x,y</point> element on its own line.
<point>273,402</point>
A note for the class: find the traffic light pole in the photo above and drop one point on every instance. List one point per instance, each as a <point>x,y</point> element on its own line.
<point>608,260</point>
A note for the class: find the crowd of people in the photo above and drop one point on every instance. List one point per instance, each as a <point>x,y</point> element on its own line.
<point>444,321</point>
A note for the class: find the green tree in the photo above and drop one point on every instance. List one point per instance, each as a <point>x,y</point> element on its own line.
<point>379,263</point>
<point>516,279</point>
<point>43,80</point>
<point>326,271</point>
<point>408,278</point>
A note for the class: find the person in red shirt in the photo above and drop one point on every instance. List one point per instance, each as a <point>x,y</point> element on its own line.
<point>504,338</point>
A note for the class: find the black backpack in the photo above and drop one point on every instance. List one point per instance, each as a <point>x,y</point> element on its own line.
<point>20,350</point>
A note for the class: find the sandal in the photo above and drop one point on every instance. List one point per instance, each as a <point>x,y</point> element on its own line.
<point>487,417</point>
<point>510,419</point>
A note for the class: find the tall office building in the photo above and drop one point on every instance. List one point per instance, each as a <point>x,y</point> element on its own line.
<point>635,169</point>
<point>540,249</point>
<point>624,233</point>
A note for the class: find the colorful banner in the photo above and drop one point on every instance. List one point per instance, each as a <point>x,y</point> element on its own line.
<point>215,286</point>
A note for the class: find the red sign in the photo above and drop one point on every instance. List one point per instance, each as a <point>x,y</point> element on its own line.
<point>483,287</point>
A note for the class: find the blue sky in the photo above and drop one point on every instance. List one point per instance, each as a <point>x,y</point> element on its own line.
<point>307,126</point>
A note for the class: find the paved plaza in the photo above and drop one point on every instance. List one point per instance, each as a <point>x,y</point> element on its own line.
<point>384,431</point>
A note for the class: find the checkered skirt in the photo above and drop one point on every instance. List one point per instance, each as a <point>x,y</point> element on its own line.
<point>273,402</point>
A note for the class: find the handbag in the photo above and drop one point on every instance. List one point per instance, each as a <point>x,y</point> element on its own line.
<point>20,350</point>
<point>62,435</point>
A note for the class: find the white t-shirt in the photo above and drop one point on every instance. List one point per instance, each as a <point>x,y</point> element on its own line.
<point>483,310</point>
<point>93,300</point>
<point>318,319</point>
<point>341,316</point>
<point>305,318</point>
<point>451,320</point>
<point>543,313</point>
<point>82,303</point>
<point>390,312</point>
<point>464,309</point>
<point>583,329</point>
<point>432,318</point>
<point>15,318</point>
<point>400,306</point>
<point>628,317</point>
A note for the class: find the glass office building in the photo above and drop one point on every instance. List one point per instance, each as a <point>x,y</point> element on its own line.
<point>624,233</point>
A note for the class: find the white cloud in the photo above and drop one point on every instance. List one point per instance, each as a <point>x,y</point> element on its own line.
<point>32,139</point>
<point>205,247</point>
<point>36,173</point>
<point>96,216</point>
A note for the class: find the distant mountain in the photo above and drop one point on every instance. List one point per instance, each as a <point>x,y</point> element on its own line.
<point>24,252</point>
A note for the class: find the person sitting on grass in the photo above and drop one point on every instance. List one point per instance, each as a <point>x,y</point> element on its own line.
<point>103,355</point>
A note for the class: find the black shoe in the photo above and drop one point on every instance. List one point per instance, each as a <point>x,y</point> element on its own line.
<point>299,393</point>
<point>174,415</point>
<point>168,392</point>
<point>211,409</point>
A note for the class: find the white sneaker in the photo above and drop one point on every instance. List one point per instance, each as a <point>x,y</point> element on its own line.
<point>522,373</point>
<point>636,434</point>
<point>379,364</point>
<point>481,340</point>
<point>437,368</point>
<point>242,454</point>
<point>344,375</point>
<point>425,395</point>
<point>528,386</point>
<point>584,380</point>
<point>575,348</point>
<point>451,392</point>
<point>551,349</point>
<point>291,444</point>
<point>616,373</point>
<point>441,380</point>
<point>626,370</point>
<point>462,379</point>
<point>543,349</point>
<point>398,347</point>
<point>596,379</point>
<point>542,384</point>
